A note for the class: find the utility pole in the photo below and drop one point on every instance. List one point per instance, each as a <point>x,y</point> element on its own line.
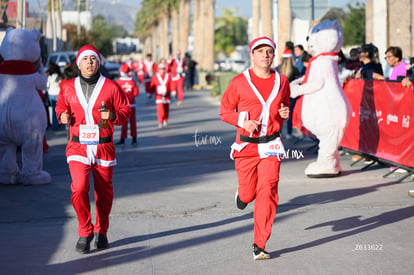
<point>21,14</point>
<point>78,27</point>
<point>411,28</point>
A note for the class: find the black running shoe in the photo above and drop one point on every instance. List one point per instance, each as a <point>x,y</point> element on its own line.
<point>241,205</point>
<point>259,254</point>
<point>101,241</point>
<point>84,244</point>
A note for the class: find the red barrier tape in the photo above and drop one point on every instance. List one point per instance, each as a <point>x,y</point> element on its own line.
<point>382,120</point>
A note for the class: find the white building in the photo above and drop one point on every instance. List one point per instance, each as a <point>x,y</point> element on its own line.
<point>84,18</point>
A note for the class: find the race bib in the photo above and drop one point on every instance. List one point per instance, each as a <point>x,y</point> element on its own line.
<point>162,90</point>
<point>272,148</point>
<point>89,134</point>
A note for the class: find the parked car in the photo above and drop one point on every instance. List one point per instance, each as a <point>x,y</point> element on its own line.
<point>239,66</point>
<point>62,58</point>
<point>111,68</point>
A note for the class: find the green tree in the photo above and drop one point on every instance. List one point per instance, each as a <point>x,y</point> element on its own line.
<point>230,32</point>
<point>102,33</point>
<point>335,13</point>
<point>73,38</point>
<point>354,25</point>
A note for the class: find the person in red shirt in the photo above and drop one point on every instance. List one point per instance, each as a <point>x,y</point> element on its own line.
<point>163,86</point>
<point>130,89</point>
<point>90,147</point>
<point>256,102</point>
<point>149,69</point>
<point>177,67</point>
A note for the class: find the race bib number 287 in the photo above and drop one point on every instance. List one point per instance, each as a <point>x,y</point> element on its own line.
<point>89,134</point>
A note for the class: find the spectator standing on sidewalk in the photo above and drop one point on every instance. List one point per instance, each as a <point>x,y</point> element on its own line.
<point>287,67</point>
<point>91,147</point>
<point>54,76</point>
<point>256,102</point>
<point>393,56</point>
<point>369,66</point>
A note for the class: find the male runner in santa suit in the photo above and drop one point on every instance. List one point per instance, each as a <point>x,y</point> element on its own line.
<point>138,68</point>
<point>163,86</point>
<point>177,72</point>
<point>91,148</point>
<point>256,102</point>
<point>149,69</point>
<point>130,88</point>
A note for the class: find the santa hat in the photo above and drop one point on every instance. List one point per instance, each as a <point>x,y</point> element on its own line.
<point>161,65</point>
<point>124,69</point>
<point>287,52</point>
<point>262,41</point>
<point>85,51</point>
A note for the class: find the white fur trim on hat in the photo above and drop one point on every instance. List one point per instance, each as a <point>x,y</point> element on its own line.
<point>262,41</point>
<point>86,53</point>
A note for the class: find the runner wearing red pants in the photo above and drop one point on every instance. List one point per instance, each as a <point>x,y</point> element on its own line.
<point>177,67</point>
<point>163,86</point>
<point>130,88</point>
<point>91,147</point>
<point>256,102</point>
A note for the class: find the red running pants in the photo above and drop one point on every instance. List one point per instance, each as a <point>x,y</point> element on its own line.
<point>258,180</point>
<point>133,125</point>
<point>162,112</point>
<point>102,180</point>
<point>179,85</point>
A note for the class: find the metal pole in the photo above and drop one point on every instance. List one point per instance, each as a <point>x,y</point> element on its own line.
<point>411,28</point>
<point>24,14</point>
<point>313,10</point>
<point>276,28</point>
<point>78,28</point>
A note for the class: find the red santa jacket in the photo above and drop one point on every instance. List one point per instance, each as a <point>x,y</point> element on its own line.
<point>177,68</point>
<point>163,86</point>
<point>129,87</point>
<point>72,100</point>
<point>241,101</point>
<point>149,69</point>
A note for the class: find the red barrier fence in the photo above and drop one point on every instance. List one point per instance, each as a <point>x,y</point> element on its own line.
<point>382,120</point>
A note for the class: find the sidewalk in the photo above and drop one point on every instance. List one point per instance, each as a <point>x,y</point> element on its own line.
<point>174,211</point>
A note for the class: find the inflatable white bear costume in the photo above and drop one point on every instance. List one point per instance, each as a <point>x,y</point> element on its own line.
<point>22,113</point>
<point>325,109</point>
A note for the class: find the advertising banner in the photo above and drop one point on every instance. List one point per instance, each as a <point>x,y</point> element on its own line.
<point>382,120</point>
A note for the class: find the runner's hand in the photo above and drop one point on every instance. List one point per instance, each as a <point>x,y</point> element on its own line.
<point>64,117</point>
<point>284,111</point>
<point>251,125</point>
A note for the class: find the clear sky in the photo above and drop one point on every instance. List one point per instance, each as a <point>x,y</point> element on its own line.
<point>245,6</point>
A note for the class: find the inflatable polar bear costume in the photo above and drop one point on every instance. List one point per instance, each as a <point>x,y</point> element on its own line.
<point>325,109</point>
<point>22,113</point>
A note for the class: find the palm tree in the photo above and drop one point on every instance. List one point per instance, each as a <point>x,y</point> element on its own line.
<point>256,18</point>
<point>184,25</point>
<point>230,31</point>
<point>209,20</point>
<point>284,24</point>
<point>151,25</point>
<point>175,24</point>
<point>197,32</point>
<point>54,24</point>
<point>266,15</point>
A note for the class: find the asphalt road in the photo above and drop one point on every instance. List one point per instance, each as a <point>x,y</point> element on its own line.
<point>174,211</point>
